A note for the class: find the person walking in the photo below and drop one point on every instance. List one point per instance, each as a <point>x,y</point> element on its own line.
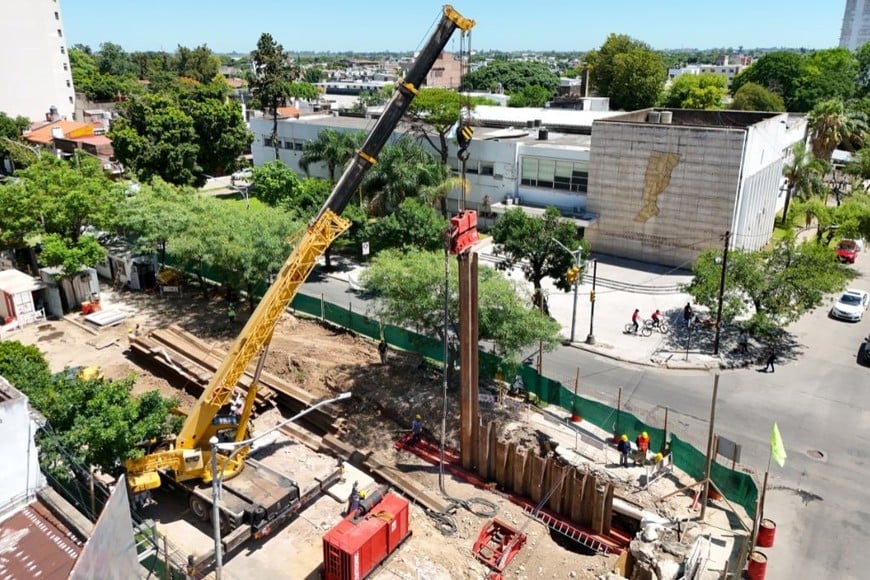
<point>642,442</point>
<point>688,314</point>
<point>382,351</point>
<point>416,429</point>
<point>634,320</point>
<point>231,314</point>
<point>624,448</point>
<point>771,358</point>
<point>743,342</point>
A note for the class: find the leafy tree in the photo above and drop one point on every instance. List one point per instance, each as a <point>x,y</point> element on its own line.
<point>530,242</point>
<point>826,74</point>
<point>375,98</point>
<point>275,184</point>
<point>154,137</point>
<point>88,422</point>
<point>97,85</point>
<point>154,214</point>
<point>11,128</point>
<point>628,71</point>
<point>849,219</point>
<point>754,97</point>
<point>312,75</point>
<point>271,80</point>
<point>303,90</point>
<point>530,96</point>
<point>56,197</point>
<point>778,71</point>
<point>405,169</point>
<point>862,75</point>
<point>701,91</point>
<point>776,286</point>
<point>829,124</point>
<point>221,134</point>
<point>411,290</point>
<point>412,226</point>
<point>511,77</point>
<point>332,148</point>
<point>70,256</point>
<point>199,64</point>
<point>436,109</point>
<point>112,60</point>
<point>803,176</point>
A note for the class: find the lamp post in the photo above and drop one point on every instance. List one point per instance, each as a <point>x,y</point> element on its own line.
<point>721,294</point>
<point>576,255</point>
<point>590,339</point>
<point>217,474</point>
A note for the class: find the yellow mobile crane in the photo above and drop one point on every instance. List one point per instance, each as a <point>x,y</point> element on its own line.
<point>186,463</point>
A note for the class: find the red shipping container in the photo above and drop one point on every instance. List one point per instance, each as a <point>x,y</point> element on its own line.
<point>354,548</point>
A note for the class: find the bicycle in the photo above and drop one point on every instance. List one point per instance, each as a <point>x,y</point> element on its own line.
<point>662,326</point>
<point>642,328</point>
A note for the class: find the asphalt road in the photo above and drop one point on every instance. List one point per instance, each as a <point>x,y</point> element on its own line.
<point>819,397</point>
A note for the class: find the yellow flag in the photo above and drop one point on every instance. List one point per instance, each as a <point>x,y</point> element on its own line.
<point>777,449</point>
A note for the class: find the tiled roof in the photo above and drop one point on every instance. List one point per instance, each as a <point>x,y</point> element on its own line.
<point>42,133</point>
<point>33,544</point>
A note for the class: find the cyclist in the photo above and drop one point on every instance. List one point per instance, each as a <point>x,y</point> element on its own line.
<point>657,318</point>
<point>634,319</point>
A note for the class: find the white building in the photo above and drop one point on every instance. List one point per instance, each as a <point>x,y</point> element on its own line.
<point>36,68</point>
<point>856,24</point>
<point>21,475</point>
<point>729,70</point>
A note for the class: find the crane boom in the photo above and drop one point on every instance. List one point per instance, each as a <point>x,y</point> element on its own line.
<point>188,459</point>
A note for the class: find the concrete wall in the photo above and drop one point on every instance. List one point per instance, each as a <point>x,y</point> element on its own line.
<point>21,474</point>
<point>36,68</point>
<point>662,193</point>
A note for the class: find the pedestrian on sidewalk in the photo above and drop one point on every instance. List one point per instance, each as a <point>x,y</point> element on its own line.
<point>624,448</point>
<point>688,314</point>
<point>771,358</point>
<point>382,351</point>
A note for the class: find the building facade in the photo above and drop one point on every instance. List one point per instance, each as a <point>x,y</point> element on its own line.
<point>856,24</point>
<point>664,191</point>
<point>36,64</point>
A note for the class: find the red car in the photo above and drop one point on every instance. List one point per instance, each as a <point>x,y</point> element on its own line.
<point>847,251</point>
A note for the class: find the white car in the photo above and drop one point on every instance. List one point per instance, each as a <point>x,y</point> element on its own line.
<point>851,305</point>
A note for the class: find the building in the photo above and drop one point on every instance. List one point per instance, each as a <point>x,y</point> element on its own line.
<point>727,69</point>
<point>667,184</point>
<point>36,64</point>
<point>66,138</point>
<point>856,24</point>
<point>446,73</point>
<point>635,187</point>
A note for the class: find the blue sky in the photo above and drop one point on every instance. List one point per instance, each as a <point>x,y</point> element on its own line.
<point>343,25</point>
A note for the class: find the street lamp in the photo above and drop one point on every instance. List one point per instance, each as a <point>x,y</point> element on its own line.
<point>217,474</point>
<point>576,255</point>
<point>590,339</point>
<point>721,294</point>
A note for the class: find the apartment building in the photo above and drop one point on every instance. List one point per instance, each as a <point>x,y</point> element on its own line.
<point>33,42</point>
<point>856,24</point>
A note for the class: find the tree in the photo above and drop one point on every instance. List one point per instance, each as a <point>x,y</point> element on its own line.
<point>87,422</point>
<point>312,75</point>
<point>332,148</point>
<point>410,288</point>
<point>530,96</point>
<point>270,81</point>
<point>11,128</point>
<point>701,91</point>
<point>511,77</point>
<point>412,226</point>
<point>776,285</point>
<point>275,184</point>
<point>528,242</point>
<point>439,110</point>
<point>829,124</point>
<point>405,169</point>
<point>199,64</point>
<point>628,71</point>
<point>154,214</point>
<point>779,72</point>
<point>221,134</point>
<point>803,176</point>
<point>826,74</point>
<point>70,255</point>
<point>112,60</point>
<point>862,74</point>
<point>303,90</point>
<point>154,137</point>
<point>754,97</point>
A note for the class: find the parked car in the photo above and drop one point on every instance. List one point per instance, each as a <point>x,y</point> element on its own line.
<point>851,305</point>
<point>847,251</point>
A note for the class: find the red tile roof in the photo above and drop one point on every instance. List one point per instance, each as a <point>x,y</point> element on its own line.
<point>33,544</point>
<point>288,112</point>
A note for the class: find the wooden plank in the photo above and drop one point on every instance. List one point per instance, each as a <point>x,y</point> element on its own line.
<point>578,483</point>
<point>510,469</point>
<point>597,523</point>
<point>535,466</point>
<point>521,474</point>
<point>481,456</point>
<point>608,509</point>
<point>556,484</point>
<point>500,461</point>
<point>588,500</point>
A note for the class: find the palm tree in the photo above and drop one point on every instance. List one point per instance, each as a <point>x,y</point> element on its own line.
<point>831,124</point>
<point>405,170</point>
<point>438,192</point>
<point>332,148</point>
<point>803,176</point>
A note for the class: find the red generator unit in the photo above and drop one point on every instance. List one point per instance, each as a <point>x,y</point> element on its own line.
<point>358,544</point>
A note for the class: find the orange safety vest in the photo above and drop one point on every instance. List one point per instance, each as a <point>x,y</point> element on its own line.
<point>643,443</point>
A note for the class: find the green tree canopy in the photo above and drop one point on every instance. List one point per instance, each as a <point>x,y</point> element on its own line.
<point>275,184</point>
<point>803,175</point>
<point>199,64</point>
<point>412,226</point>
<point>530,242</point>
<point>754,97</point>
<point>511,77</point>
<point>333,148</point>
<point>628,71</point>
<point>410,288</point>
<point>701,91</point>
<point>270,80</point>
<point>830,123</point>
<point>404,170</point>
<point>530,96</point>
<point>154,214</point>
<point>434,113</point>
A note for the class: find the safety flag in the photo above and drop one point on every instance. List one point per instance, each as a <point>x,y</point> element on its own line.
<point>777,449</point>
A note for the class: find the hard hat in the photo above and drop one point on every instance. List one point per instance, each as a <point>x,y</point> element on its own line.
<point>624,437</point>
<point>418,417</point>
<point>362,494</point>
<point>644,435</point>
<point>659,457</point>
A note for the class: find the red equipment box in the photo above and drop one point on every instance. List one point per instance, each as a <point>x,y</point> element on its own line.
<point>356,546</point>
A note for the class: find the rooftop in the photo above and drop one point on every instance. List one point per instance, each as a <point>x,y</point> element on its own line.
<point>696,118</point>
<point>36,545</point>
<point>15,281</point>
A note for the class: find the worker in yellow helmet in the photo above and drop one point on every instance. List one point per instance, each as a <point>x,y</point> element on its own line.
<point>416,429</point>
<point>624,448</point>
<point>642,448</point>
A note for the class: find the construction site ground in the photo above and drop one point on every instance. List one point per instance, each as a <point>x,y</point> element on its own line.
<point>325,361</point>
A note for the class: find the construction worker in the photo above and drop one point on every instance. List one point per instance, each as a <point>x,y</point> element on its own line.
<point>382,351</point>
<point>642,442</point>
<point>231,314</point>
<point>624,448</point>
<point>416,428</point>
<point>353,499</point>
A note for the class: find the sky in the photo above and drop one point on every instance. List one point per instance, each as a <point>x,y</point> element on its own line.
<point>510,25</point>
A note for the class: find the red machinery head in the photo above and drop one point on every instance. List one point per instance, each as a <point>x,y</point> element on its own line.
<point>463,231</point>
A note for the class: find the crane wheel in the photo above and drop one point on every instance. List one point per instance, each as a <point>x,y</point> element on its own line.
<point>199,508</point>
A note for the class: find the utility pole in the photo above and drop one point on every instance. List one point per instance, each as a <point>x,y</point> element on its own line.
<point>706,490</point>
<point>576,254</point>
<point>591,338</point>
<point>721,293</point>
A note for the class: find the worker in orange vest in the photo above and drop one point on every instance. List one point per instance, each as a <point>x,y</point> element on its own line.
<point>642,448</point>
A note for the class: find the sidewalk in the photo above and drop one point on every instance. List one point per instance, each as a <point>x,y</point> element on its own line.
<point>621,286</point>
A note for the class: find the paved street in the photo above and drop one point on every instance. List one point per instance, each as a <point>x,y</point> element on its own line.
<point>818,395</point>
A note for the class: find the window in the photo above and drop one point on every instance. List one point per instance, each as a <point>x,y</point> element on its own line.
<point>68,83</point>
<point>63,50</point>
<point>66,66</point>
<point>486,168</point>
<point>298,145</point>
<point>57,15</point>
<point>555,174</point>
<point>472,167</point>
<point>60,33</point>
<point>267,141</point>
<point>71,101</point>
<point>287,145</point>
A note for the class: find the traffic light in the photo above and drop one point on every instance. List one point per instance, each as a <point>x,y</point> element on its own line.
<point>592,296</point>
<point>573,275</point>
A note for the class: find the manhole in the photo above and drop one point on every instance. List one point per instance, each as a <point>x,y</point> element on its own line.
<point>816,454</point>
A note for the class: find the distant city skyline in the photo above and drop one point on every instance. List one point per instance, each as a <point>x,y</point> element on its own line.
<point>509,25</point>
